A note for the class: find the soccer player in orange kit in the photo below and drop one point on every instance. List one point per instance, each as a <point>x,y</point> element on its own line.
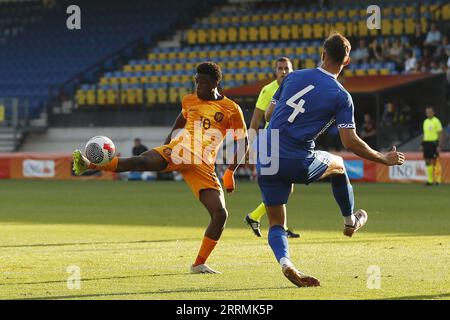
<point>205,117</point>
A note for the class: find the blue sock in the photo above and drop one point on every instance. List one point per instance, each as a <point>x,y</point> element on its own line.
<point>343,193</point>
<point>278,242</point>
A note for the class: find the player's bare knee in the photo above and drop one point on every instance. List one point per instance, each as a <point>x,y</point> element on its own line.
<point>336,166</point>
<point>220,215</point>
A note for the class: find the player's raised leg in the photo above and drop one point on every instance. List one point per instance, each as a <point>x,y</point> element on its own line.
<point>343,192</point>
<point>148,161</point>
<point>214,202</point>
<point>278,241</point>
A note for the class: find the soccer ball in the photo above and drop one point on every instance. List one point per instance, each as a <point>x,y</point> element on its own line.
<point>100,150</point>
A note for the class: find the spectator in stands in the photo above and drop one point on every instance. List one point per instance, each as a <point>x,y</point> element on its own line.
<point>375,52</point>
<point>436,68</point>
<point>426,59</point>
<point>418,38</point>
<point>138,147</point>
<point>410,62</point>
<point>396,52</point>
<point>386,49</point>
<point>361,54</point>
<point>369,132</point>
<point>389,114</point>
<point>433,37</point>
<point>443,50</point>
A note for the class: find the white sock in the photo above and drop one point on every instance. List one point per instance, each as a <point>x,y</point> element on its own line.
<point>286,262</point>
<point>350,220</point>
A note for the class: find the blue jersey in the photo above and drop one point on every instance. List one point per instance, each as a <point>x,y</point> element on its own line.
<point>307,103</point>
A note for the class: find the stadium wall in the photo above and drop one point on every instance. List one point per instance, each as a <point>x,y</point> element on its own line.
<point>66,140</point>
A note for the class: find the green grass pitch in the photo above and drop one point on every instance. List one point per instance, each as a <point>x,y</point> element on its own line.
<point>136,240</point>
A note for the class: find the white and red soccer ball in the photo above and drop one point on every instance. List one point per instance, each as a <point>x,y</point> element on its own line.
<point>100,150</point>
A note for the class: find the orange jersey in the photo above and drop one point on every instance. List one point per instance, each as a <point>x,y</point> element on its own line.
<point>207,124</point>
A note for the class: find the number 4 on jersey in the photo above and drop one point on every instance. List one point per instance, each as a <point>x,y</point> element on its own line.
<point>298,107</point>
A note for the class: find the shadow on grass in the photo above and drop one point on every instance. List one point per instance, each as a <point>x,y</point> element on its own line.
<point>150,293</point>
<point>91,243</point>
<point>94,279</point>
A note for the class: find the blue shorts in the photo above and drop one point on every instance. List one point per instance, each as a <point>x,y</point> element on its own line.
<point>275,188</point>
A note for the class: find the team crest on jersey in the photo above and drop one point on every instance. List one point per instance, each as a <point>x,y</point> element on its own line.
<point>218,116</point>
<point>167,151</point>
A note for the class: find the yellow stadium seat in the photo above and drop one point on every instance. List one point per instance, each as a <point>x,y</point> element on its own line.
<point>409,26</point>
<point>161,95</point>
<point>186,78</point>
<point>289,51</point>
<point>286,16</point>
<point>124,80</point>
<point>148,67</point>
<point>235,19</point>
<point>277,51</point>
<point>384,71</point>
<point>275,32</point>
<point>90,97</point>
<point>202,54</point>
<point>104,80</point>
<point>144,79</point>
<point>151,56</point>
<point>310,63</point>
<point>253,34</point>
<point>244,52</point>
<point>180,66</point>
<point>234,53</point>
<point>212,35</point>
<point>190,66</point>
<point>255,18</point>
<point>352,13</point>
<point>113,80</point>
<point>266,51</point>
<point>224,19</point>
<point>253,64</point>
<point>161,55</point>
<point>309,15</point>
<point>276,17</point>
<point>331,14</point>
<point>111,96</point>
<point>387,11</point>
<point>320,15</point>
<point>139,68</point>
<point>224,54</point>
<point>263,33</point>
<point>128,68</point>
<point>202,36</point>
<point>245,18</point>
<point>173,94</point>
<point>154,79</point>
<point>285,32</point>
<point>398,27</point>
<point>182,92</point>
<point>399,10</point>
<point>342,14</point>
<point>81,97</point>
<point>311,49</point>
<point>150,94</point>
<point>174,78</point>
<point>222,35</point>
<point>446,12</point>
<point>348,72</point>
<point>230,64</point>
<point>424,24</point>
<point>158,67</point>
<point>307,31</point>
<point>232,34</point>
<point>362,28</point>
<point>266,17</point>
<point>250,77</point>
<point>340,27</point>
<point>409,10</point>
<point>318,30</point>
<point>172,55</point>
<point>386,27</point>
<point>133,80</point>
<point>299,50</point>
<point>164,78</point>
<point>261,76</point>
<point>298,16</point>
<point>255,52</point>
<point>360,72</point>
<point>295,31</point>
<point>168,67</point>
<point>349,29</point>
<point>372,72</point>
<point>214,20</point>
<point>239,77</point>
<point>227,77</point>
<point>242,64</point>
<point>243,34</point>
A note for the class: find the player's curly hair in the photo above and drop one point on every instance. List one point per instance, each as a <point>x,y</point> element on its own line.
<point>210,68</point>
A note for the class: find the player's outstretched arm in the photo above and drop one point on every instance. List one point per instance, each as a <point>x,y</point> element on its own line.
<point>355,144</point>
<point>180,122</point>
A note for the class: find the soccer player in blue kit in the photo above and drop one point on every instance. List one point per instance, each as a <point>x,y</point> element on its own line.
<point>307,102</point>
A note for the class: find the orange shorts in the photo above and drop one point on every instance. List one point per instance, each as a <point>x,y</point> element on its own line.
<point>197,176</point>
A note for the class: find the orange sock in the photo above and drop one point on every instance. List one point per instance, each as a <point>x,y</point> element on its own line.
<point>112,166</point>
<point>207,247</point>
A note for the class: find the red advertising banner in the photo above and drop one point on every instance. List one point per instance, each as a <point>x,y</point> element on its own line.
<point>43,166</point>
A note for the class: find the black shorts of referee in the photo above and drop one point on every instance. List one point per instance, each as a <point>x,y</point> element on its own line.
<point>430,149</point>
